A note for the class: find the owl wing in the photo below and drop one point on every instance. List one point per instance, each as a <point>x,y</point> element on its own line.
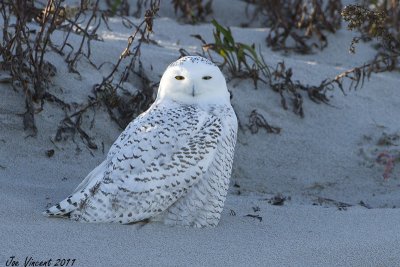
<point>154,162</point>
<point>158,164</point>
<point>97,173</point>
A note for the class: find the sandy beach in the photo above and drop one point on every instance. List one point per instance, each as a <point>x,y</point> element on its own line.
<point>312,195</point>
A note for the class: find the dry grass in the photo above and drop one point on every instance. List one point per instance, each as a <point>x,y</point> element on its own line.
<point>26,42</point>
<point>193,11</point>
<point>298,25</point>
<point>242,61</point>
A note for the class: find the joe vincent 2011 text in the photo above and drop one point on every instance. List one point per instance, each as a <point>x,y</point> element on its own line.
<point>32,262</point>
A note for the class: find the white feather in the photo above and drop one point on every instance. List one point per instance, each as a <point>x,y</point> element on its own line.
<point>172,163</point>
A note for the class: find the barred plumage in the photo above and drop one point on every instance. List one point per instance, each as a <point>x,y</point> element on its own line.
<point>172,163</point>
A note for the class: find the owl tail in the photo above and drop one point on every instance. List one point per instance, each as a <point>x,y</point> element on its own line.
<point>66,206</point>
<point>79,196</point>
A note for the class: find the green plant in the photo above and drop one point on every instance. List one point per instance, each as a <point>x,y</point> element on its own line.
<point>242,61</point>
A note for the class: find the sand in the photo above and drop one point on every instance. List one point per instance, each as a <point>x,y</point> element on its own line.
<point>339,211</point>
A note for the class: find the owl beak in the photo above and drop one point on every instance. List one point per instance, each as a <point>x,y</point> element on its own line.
<point>193,91</point>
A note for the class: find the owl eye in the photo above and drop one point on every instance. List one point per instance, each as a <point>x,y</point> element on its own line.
<point>206,77</point>
<point>179,78</point>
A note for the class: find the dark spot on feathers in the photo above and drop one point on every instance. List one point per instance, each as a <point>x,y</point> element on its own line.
<point>94,189</point>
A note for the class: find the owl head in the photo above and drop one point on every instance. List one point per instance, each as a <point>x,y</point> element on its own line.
<point>193,80</point>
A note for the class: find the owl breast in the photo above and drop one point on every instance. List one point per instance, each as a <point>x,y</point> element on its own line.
<point>203,203</point>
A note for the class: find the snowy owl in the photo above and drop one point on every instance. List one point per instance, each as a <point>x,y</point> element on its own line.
<point>172,163</point>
